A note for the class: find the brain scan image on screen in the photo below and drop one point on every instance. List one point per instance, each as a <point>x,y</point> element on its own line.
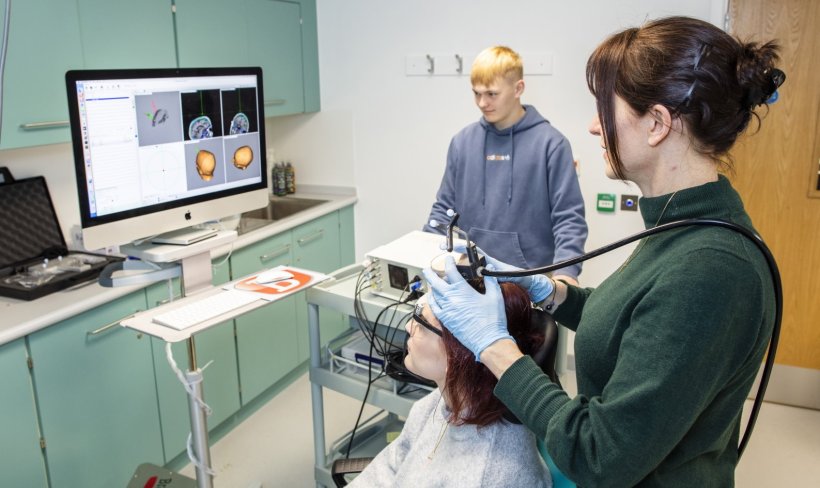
<point>159,117</point>
<point>205,164</point>
<point>202,115</point>
<point>243,157</point>
<point>240,124</point>
<point>239,108</point>
<point>201,128</point>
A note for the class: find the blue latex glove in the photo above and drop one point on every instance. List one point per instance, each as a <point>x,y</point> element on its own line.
<point>476,320</point>
<point>539,287</point>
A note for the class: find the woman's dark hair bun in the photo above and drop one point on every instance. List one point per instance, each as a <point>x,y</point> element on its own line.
<point>757,76</point>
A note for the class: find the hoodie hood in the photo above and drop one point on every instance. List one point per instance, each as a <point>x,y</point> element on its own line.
<point>499,149</point>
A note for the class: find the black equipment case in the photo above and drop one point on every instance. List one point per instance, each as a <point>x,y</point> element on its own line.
<point>34,259</point>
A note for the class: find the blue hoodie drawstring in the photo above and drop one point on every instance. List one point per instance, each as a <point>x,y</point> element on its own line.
<point>512,161</point>
<point>484,170</point>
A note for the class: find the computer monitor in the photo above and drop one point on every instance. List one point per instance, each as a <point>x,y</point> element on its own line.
<point>157,150</point>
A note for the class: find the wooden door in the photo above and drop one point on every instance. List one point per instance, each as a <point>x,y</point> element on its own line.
<point>777,172</point>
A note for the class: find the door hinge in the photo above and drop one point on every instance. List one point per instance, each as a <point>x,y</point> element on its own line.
<point>30,363</point>
<point>173,9</point>
<point>42,443</point>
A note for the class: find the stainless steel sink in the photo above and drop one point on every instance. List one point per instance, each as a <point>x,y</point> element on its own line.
<point>278,208</point>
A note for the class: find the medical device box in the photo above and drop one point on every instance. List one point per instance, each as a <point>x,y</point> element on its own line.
<point>395,268</point>
<point>359,351</point>
<point>34,259</point>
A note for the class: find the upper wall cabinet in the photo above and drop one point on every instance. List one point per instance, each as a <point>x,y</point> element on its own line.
<point>43,43</point>
<point>49,37</point>
<point>127,34</point>
<point>279,36</point>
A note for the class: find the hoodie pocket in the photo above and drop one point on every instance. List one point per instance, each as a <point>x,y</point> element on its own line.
<point>503,246</point>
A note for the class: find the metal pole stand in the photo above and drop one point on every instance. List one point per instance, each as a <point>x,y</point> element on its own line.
<point>199,421</point>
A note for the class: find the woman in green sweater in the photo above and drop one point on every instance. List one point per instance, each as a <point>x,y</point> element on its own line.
<point>666,348</point>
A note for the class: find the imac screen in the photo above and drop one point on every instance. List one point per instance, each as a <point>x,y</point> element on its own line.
<point>157,150</point>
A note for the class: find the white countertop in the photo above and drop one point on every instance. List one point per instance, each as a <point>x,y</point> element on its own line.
<point>19,318</point>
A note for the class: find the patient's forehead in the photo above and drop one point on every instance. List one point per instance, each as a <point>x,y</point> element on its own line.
<point>426,311</point>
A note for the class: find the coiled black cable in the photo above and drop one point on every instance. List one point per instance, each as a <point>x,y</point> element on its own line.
<point>770,261</point>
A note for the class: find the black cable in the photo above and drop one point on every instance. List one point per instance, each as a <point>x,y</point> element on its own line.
<point>373,339</point>
<point>773,270</point>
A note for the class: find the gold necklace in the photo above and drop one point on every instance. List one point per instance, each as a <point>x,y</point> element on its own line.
<point>640,244</point>
<point>441,434</point>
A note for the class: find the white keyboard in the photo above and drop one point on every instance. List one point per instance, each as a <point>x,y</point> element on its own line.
<point>205,309</point>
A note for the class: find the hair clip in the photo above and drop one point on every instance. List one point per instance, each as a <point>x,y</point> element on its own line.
<point>768,94</point>
<point>703,53</point>
<point>776,78</point>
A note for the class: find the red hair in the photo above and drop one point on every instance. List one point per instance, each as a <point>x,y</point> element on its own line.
<point>470,384</point>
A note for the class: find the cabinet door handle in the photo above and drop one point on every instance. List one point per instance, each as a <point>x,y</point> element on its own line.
<point>275,254</point>
<point>110,325</point>
<point>312,237</point>
<point>168,300</point>
<point>275,101</point>
<point>44,125</point>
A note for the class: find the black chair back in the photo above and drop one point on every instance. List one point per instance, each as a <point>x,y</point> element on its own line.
<point>544,357</point>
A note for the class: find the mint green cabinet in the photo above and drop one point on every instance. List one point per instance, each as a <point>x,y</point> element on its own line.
<point>22,462</point>
<point>347,244</point>
<point>126,34</point>
<point>316,247</point>
<point>279,36</point>
<point>49,37</point>
<point>97,396</point>
<point>211,33</point>
<point>220,379</point>
<point>266,337</point>
<point>275,34</point>
<point>43,43</point>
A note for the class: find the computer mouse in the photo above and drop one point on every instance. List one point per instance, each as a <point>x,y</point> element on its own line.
<point>273,275</point>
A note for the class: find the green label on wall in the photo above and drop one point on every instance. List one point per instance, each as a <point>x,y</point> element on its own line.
<point>606,202</point>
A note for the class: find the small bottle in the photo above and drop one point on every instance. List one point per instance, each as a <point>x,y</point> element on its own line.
<point>290,178</point>
<point>270,155</point>
<point>279,187</point>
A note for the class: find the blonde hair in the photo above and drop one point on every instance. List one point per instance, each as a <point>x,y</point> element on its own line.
<point>496,62</point>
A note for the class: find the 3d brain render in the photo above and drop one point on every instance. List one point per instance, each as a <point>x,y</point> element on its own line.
<point>205,164</point>
<point>242,157</point>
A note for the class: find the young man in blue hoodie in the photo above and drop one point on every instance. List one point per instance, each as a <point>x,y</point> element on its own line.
<point>511,176</point>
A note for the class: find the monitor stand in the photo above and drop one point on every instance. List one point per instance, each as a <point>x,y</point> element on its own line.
<point>195,263</point>
<point>195,258</point>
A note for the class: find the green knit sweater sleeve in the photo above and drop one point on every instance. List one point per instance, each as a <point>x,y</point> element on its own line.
<point>568,313</point>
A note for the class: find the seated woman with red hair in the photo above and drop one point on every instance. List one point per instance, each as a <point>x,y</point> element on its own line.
<point>456,435</point>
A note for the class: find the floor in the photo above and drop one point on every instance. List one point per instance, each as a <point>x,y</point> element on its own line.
<point>274,447</point>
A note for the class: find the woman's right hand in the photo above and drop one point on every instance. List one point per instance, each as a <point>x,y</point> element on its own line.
<point>477,320</point>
